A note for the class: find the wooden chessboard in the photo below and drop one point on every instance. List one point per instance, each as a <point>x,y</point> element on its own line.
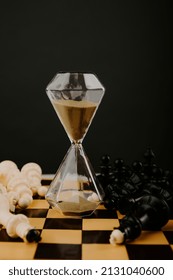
<point>87,238</point>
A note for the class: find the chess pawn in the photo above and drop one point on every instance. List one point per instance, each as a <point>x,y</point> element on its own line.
<point>168,177</point>
<point>118,170</point>
<point>161,191</point>
<point>149,156</point>
<point>8,164</point>
<point>148,213</point>
<point>136,176</point>
<point>148,164</point>
<point>105,176</point>
<point>16,225</point>
<point>11,173</point>
<point>120,197</point>
<point>121,172</point>
<point>12,197</point>
<point>7,167</point>
<point>33,172</point>
<point>20,185</point>
<point>114,198</point>
<point>3,189</point>
<point>134,183</point>
<point>42,190</point>
<point>115,202</point>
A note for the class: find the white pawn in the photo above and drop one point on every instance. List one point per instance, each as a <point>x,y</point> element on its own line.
<point>19,184</point>
<point>3,189</point>
<point>33,172</point>
<point>11,173</point>
<point>11,197</point>
<point>8,164</point>
<point>6,167</point>
<point>42,190</point>
<point>93,197</point>
<point>25,200</point>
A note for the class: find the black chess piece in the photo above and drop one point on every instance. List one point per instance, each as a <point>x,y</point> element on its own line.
<point>124,184</point>
<point>117,198</point>
<point>33,235</point>
<point>167,179</point>
<point>143,192</point>
<point>148,213</point>
<point>162,191</point>
<point>148,164</point>
<point>127,185</point>
<point>106,175</point>
<point>121,171</point>
<point>137,177</point>
<point>149,156</point>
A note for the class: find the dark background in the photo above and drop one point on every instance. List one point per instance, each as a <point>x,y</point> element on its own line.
<point>126,43</point>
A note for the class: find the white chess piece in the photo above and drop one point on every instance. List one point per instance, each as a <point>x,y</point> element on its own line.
<point>3,189</point>
<point>7,167</point>
<point>16,225</point>
<point>12,197</point>
<point>93,197</point>
<point>116,237</point>
<point>20,185</point>
<point>33,173</point>
<point>42,190</point>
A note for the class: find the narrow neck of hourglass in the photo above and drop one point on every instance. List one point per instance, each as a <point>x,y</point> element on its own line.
<point>76,142</point>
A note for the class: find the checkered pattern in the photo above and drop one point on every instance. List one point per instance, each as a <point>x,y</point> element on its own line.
<point>86,238</point>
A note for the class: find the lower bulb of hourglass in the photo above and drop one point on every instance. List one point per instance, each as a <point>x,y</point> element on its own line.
<point>78,202</point>
<point>71,192</point>
<point>76,198</point>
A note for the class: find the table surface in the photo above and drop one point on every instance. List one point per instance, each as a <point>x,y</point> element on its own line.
<point>69,238</point>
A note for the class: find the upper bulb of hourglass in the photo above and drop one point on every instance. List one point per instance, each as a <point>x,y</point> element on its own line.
<point>75,98</point>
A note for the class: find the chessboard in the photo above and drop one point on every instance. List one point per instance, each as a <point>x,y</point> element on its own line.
<point>87,238</point>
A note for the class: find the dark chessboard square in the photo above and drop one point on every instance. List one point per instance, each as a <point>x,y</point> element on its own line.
<point>60,223</point>
<point>102,213</point>
<point>46,182</point>
<point>36,196</point>
<point>169,236</point>
<point>32,213</point>
<point>149,252</point>
<point>4,237</point>
<point>58,251</point>
<point>96,236</point>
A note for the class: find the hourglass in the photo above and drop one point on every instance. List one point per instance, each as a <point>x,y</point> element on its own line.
<point>75,189</point>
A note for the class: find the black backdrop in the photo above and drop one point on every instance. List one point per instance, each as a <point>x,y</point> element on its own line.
<point>126,43</point>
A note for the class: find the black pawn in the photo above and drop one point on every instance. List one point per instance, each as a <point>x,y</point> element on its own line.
<point>148,164</point>
<point>118,198</point>
<point>106,175</point>
<point>121,172</point>
<point>136,178</point>
<point>149,156</point>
